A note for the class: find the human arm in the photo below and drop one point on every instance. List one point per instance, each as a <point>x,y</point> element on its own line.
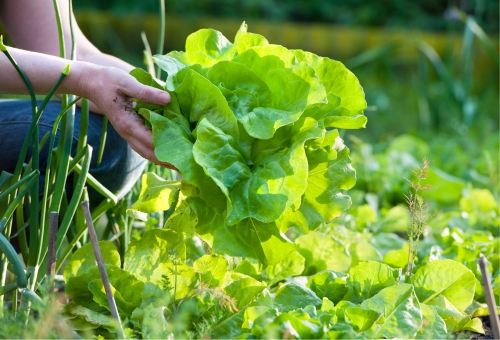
<point>32,26</point>
<point>110,88</point>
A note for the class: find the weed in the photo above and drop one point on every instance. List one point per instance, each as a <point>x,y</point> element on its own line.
<point>419,211</point>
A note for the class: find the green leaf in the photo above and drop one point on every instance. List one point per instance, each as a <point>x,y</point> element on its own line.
<point>469,324</point>
<point>368,278</point>
<point>433,326</point>
<point>244,290</point>
<point>257,317</point>
<point>322,252</point>
<point>174,145</point>
<point>292,296</point>
<point>91,318</point>
<point>361,319</point>
<point>329,284</point>
<point>363,251</point>
<point>200,99</point>
<point>450,315</point>
<point>213,269</point>
<point>84,259</point>
<point>337,79</point>
<point>206,46</point>
<point>396,258</point>
<point>156,194</point>
<point>176,277</point>
<point>245,40</point>
<point>183,220</point>
<point>154,248</point>
<point>400,309</point>
<point>323,199</point>
<point>448,278</point>
<point>292,265</point>
<point>125,287</point>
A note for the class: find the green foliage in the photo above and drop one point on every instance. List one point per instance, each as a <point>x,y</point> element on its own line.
<point>250,126</point>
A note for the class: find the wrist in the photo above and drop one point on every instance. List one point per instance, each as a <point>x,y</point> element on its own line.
<point>82,79</point>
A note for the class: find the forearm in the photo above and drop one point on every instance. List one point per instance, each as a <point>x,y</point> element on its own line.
<point>43,72</point>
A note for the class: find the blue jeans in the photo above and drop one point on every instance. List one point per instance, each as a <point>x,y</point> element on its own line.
<point>120,167</point>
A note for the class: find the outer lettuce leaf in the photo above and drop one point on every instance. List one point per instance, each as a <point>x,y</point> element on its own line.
<point>175,146</point>
<point>337,80</point>
<point>330,171</point>
<point>322,252</point>
<point>448,278</point>
<point>400,309</point>
<point>156,194</point>
<point>248,238</point>
<point>245,40</point>
<point>154,248</point>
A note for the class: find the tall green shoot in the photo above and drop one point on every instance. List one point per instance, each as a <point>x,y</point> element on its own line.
<point>419,212</point>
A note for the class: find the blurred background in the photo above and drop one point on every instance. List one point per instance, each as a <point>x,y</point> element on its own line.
<point>429,68</point>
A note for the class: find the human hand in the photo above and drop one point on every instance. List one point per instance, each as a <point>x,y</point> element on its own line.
<point>112,91</point>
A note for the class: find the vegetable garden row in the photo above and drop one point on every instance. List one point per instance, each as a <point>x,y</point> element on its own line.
<point>256,240</point>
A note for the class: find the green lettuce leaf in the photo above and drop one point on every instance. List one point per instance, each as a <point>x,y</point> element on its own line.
<point>448,278</point>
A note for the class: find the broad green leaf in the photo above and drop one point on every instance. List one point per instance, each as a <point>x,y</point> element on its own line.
<point>400,309</point>
<point>480,200</point>
<point>94,319</point>
<point>156,194</point>
<point>173,145</point>
<point>336,79</point>
<point>213,268</point>
<point>396,258</point>
<point>209,43</point>
<point>433,326</point>
<point>292,265</point>
<point>292,296</point>
<point>245,40</point>
<point>230,328</point>
<point>368,279</point>
<point>244,290</point>
<point>329,284</point>
<point>176,277</point>
<point>219,156</point>
<point>170,65</point>
<point>276,183</point>
<point>294,324</point>
<point>248,268</point>
<point>153,322</point>
<point>84,259</point>
<point>448,278</point>
<point>323,199</point>
<point>126,290</point>
<point>445,187</point>
<point>268,243</point>
<point>256,318</point>
<point>322,252</point>
<point>77,287</point>
<point>363,251</point>
<point>183,220</point>
<point>235,76</point>
<point>154,248</point>
<point>469,324</point>
<point>200,99</point>
<point>154,295</point>
<point>450,315</point>
<point>361,319</point>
